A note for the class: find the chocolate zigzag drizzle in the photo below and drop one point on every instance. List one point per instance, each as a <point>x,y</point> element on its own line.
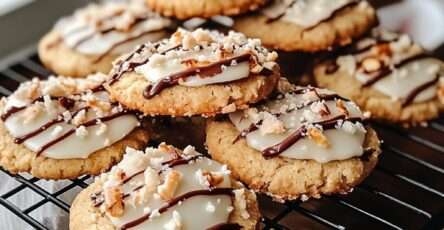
<point>277,149</point>
<point>14,109</point>
<point>133,65</point>
<point>380,74</point>
<point>44,127</point>
<point>66,102</point>
<point>329,17</point>
<point>173,202</point>
<point>418,90</point>
<point>125,41</point>
<point>94,122</point>
<point>170,164</point>
<point>321,97</point>
<point>203,71</point>
<point>105,31</point>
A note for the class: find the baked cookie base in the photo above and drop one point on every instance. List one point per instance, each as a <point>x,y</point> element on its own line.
<point>285,178</point>
<point>207,100</point>
<point>184,9</point>
<point>349,23</point>
<point>16,158</point>
<point>84,216</point>
<point>381,107</point>
<point>63,60</point>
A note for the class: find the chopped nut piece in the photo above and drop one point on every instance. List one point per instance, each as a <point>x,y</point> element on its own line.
<point>271,124</point>
<point>371,65</point>
<point>318,137</point>
<point>168,188</point>
<point>229,108</point>
<point>114,201</point>
<point>213,178</point>
<point>79,118</point>
<point>341,106</point>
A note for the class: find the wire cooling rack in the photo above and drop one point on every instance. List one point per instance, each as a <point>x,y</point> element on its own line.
<point>405,191</point>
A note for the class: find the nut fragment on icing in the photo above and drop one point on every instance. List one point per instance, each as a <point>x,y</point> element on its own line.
<point>197,58</point>
<point>306,13</point>
<point>112,27</point>
<point>53,118</point>
<point>178,201</point>
<point>394,65</point>
<point>317,124</point>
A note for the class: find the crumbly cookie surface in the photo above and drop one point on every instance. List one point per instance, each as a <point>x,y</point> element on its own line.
<point>194,73</point>
<point>302,143</point>
<point>90,39</point>
<point>186,101</point>
<point>17,158</point>
<point>62,60</point>
<point>202,8</point>
<point>408,92</point>
<point>285,178</point>
<point>87,214</point>
<point>63,128</point>
<point>346,25</point>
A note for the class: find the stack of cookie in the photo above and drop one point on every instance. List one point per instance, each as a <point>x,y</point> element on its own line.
<point>289,142</point>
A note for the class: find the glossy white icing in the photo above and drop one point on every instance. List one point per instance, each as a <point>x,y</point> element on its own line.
<point>345,141</point>
<point>399,84</point>
<point>202,48</point>
<point>82,30</point>
<point>198,212</point>
<point>404,77</point>
<point>83,141</point>
<point>305,13</point>
<point>156,71</point>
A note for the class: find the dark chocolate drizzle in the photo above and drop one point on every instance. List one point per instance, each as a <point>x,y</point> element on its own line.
<point>133,65</point>
<point>103,55</point>
<point>86,124</point>
<point>329,17</point>
<point>321,97</point>
<point>418,90</point>
<point>294,137</point>
<point>171,163</point>
<point>11,111</point>
<point>203,71</point>
<point>384,72</point>
<point>176,200</point>
<point>104,31</point>
<point>225,226</point>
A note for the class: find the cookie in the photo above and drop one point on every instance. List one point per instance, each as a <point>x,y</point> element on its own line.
<point>63,128</point>
<point>186,9</point>
<point>302,144</point>
<point>165,188</point>
<point>89,40</point>
<point>308,26</point>
<point>194,73</point>
<point>388,75</point>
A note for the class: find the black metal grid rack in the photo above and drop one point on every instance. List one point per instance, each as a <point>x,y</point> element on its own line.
<point>405,191</point>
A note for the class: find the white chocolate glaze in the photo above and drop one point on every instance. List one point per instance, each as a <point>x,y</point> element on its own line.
<point>229,58</point>
<point>197,212</point>
<point>408,68</point>
<point>127,24</point>
<point>87,107</point>
<point>282,117</point>
<point>305,13</point>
